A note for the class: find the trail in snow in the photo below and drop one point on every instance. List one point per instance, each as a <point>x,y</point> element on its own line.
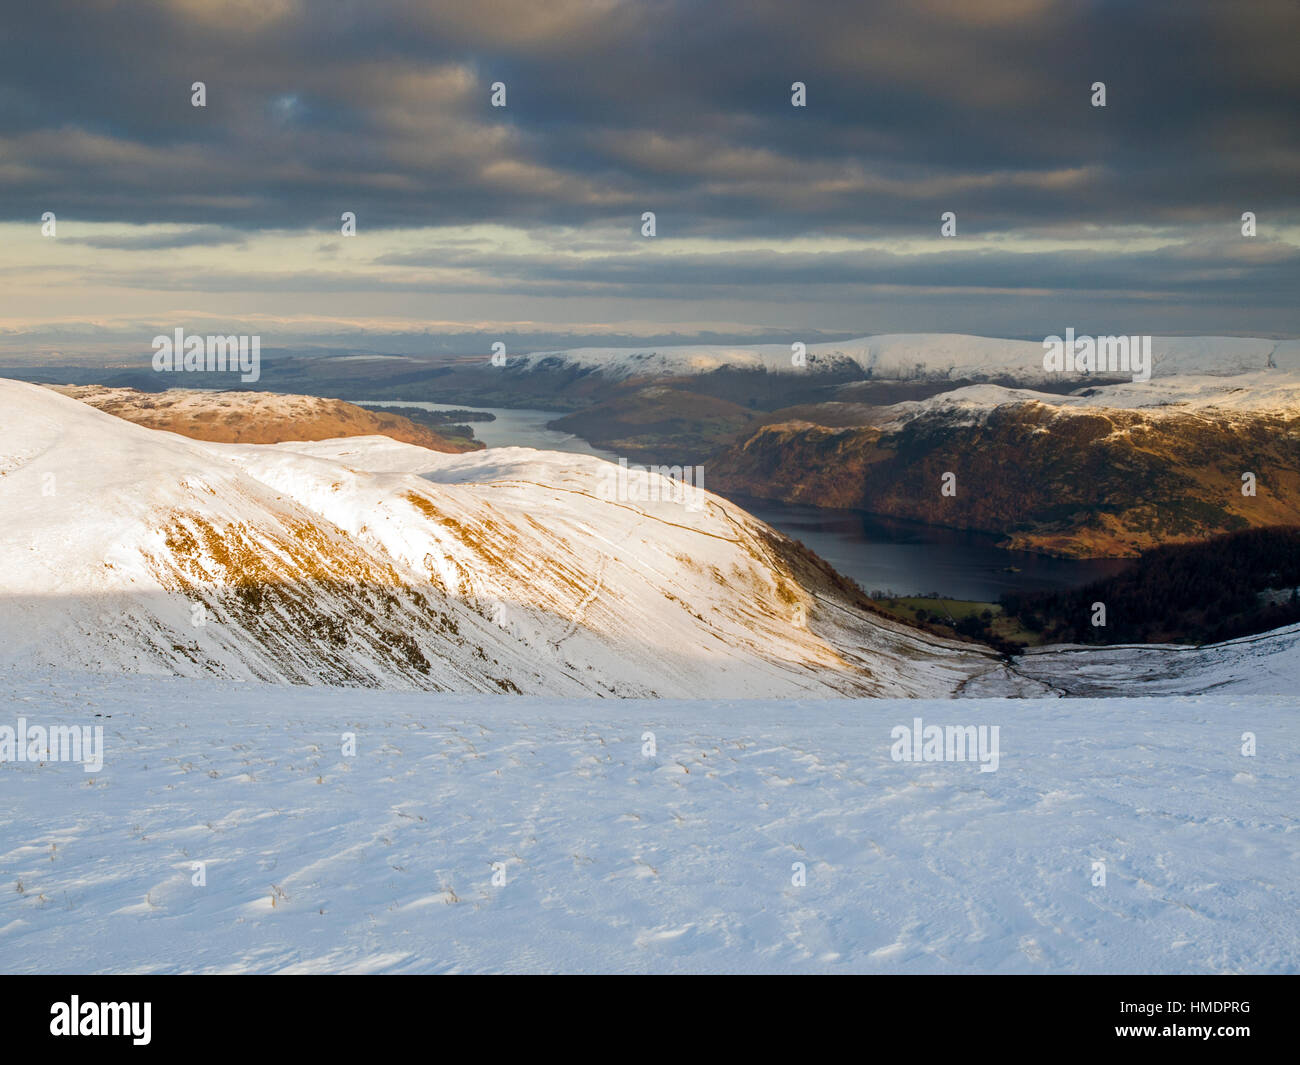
<point>581,612</point>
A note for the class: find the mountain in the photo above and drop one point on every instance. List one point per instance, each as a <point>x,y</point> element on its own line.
<point>652,422</point>
<point>1106,471</point>
<point>908,356</point>
<point>257,417</point>
<point>679,404</point>
<point>369,562</point>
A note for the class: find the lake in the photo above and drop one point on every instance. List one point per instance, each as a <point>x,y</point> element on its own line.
<point>909,558</point>
<point>904,558</point>
<point>512,428</point>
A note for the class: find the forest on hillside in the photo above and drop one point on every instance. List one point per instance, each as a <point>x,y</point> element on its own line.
<point>1232,585</point>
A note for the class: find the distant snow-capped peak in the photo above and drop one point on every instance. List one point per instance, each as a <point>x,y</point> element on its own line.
<point>913,356</point>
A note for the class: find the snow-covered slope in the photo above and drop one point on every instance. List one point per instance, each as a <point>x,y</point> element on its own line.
<point>1264,664</point>
<point>907,356</point>
<point>611,860</point>
<point>1257,392</point>
<point>369,562</point>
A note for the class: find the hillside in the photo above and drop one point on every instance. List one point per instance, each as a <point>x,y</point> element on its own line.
<point>368,562</point>
<point>258,417</point>
<point>653,423</point>
<point>1234,585</point>
<point>1107,471</point>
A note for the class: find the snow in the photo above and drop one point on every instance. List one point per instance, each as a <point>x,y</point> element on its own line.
<point>1267,663</point>
<point>942,356</point>
<point>382,564</point>
<point>224,742</point>
<point>1260,392</point>
<point>386,565</point>
<point>617,862</point>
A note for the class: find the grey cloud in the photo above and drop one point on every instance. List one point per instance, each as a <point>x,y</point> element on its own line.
<point>616,107</point>
<point>1209,270</point>
<point>383,107</point>
<point>201,236</point>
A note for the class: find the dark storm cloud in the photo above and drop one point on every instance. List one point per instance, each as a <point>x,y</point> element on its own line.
<point>1266,276</point>
<point>1258,274</point>
<point>674,106</point>
<point>152,240</point>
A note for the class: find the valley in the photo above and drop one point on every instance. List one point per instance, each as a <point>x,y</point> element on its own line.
<point>1055,483</point>
<point>373,563</point>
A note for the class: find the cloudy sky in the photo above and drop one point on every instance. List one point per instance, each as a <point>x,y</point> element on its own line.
<point>476,222</point>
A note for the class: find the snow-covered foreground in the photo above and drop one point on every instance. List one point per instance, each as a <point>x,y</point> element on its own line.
<point>614,861</point>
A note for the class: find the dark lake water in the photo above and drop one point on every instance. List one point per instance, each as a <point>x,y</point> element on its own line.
<point>899,557</point>
<point>912,559</point>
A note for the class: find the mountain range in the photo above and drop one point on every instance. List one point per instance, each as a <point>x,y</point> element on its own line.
<point>366,561</point>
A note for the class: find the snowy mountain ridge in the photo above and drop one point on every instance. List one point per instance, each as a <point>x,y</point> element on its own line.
<point>369,562</point>
<point>914,356</point>
<point>1255,392</point>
